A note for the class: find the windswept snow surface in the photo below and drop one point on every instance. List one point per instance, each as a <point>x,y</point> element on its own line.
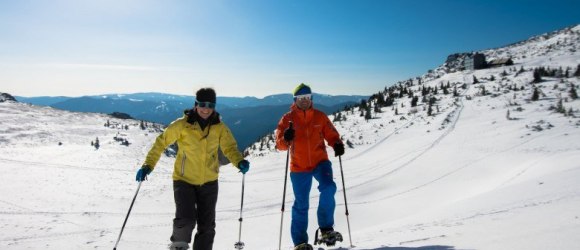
<point>465,178</point>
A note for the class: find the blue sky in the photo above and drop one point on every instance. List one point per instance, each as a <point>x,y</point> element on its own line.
<point>250,48</point>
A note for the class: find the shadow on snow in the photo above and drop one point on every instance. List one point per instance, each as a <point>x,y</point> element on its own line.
<point>437,247</point>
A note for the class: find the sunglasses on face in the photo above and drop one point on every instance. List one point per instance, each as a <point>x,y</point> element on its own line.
<point>210,105</point>
<point>303,97</point>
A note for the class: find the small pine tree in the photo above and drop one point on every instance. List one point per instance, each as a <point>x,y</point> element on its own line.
<point>573,93</point>
<point>577,73</point>
<point>560,107</point>
<point>455,93</point>
<point>537,76</point>
<point>483,91</point>
<point>368,114</point>
<point>363,104</point>
<point>97,145</point>
<point>336,117</point>
<point>535,94</point>
<point>414,101</point>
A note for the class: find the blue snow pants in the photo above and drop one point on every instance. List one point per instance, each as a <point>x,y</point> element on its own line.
<point>301,184</point>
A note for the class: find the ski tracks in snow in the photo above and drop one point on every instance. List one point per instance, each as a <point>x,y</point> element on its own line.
<point>420,154</point>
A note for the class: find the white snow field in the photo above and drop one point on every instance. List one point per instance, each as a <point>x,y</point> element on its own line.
<point>466,177</point>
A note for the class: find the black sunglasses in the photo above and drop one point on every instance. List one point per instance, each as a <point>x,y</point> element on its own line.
<point>210,105</point>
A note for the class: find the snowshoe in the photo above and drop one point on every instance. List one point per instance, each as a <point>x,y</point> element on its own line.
<point>328,237</point>
<point>303,246</point>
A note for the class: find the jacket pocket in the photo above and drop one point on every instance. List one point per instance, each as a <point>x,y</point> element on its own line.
<point>183,159</point>
<point>215,167</point>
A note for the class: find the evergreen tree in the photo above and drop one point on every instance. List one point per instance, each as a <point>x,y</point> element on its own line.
<point>537,76</point>
<point>368,114</point>
<point>535,94</point>
<point>475,81</point>
<point>337,117</point>
<point>573,93</point>
<point>414,101</point>
<point>577,73</point>
<point>455,93</point>
<point>424,91</point>
<point>560,107</point>
<point>363,104</point>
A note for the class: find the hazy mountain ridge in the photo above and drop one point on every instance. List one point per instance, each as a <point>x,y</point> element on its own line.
<point>165,108</point>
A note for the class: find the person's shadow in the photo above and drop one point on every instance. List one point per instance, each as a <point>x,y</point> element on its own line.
<point>402,248</point>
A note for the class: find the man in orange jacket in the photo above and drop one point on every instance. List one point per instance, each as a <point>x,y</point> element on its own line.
<point>303,131</point>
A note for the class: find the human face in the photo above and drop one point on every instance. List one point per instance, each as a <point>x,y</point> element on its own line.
<point>304,101</point>
<point>204,112</point>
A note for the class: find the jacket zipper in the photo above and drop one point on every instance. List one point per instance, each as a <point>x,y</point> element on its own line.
<point>308,141</point>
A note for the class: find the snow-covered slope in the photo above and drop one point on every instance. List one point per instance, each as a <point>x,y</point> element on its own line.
<point>468,176</point>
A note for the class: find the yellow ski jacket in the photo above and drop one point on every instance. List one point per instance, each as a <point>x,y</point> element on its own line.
<point>197,155</point>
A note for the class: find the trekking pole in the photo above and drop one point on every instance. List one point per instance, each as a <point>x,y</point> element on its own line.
<point>284,196</point>
<point>240,244</point>
<point>345,203</point>
<point>127,217</point>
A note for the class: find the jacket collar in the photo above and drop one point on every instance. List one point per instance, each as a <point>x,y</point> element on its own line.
<point>193,117</point>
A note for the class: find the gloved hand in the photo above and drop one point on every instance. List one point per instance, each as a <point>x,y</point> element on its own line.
<point>142,173</point>
<point>289,134</point>
<point>338,149</point>
<point>244,166</point>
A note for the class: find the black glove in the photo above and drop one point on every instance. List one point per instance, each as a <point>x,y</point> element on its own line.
<point>289,134</point>
<point>244,166</point>
<point>338,149</point>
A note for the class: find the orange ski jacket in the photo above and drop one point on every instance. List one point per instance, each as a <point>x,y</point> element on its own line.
<point>312,127</point>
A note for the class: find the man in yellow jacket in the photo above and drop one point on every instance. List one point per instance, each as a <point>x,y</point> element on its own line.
<point>199,134</point>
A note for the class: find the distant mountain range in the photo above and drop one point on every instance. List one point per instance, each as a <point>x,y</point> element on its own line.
<point>249,118</point>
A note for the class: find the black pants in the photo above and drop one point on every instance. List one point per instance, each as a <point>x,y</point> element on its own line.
<point>195,204</point>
